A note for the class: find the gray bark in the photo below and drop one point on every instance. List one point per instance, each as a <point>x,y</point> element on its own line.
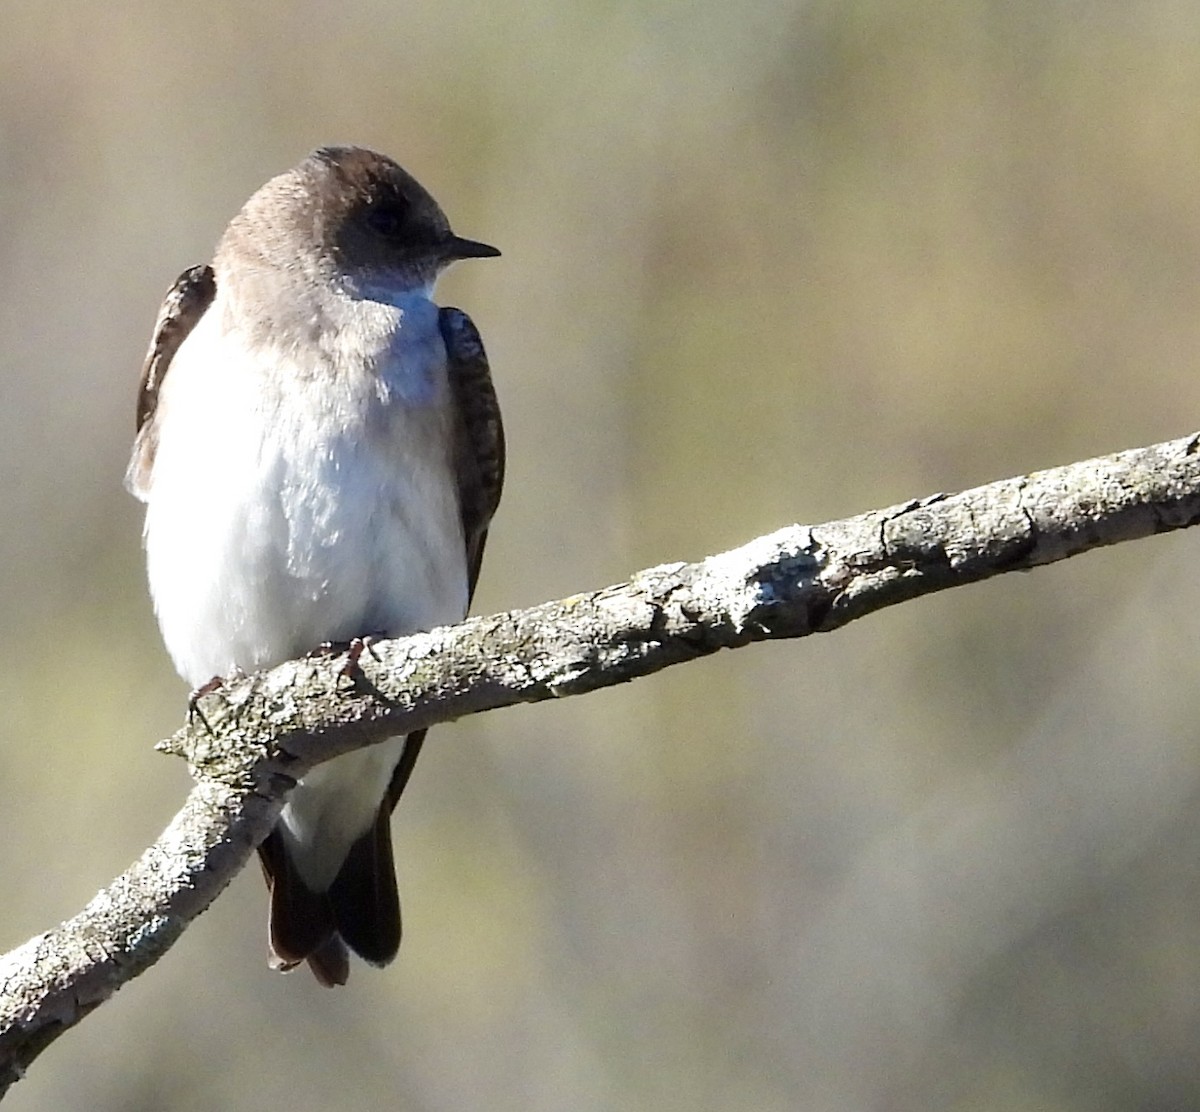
<point>252,738</point>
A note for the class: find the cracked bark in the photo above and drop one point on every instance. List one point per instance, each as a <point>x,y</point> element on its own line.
<point>266,730</point>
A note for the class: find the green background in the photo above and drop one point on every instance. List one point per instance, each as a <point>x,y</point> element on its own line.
<point>763,262</point>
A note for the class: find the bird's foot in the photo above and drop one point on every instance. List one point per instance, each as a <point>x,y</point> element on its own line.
<point>354,649</point>
<point>214,684</point>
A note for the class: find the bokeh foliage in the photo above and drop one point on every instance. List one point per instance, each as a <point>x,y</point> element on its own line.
<point>764,262</point>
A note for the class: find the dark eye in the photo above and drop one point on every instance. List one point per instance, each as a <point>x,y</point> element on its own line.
<point>388,217</point>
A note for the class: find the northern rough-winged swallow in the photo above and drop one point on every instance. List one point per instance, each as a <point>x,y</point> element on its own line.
<point>320,453</point>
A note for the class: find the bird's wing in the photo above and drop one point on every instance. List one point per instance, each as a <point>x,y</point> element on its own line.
<point>479,451</point>
<point>479,462</point>
<point>185,303</point>
<point>183,306</point>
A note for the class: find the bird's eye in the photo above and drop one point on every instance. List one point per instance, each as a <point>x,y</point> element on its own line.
<point>387,218</point>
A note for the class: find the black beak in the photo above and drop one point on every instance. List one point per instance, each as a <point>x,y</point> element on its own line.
<point>459,248</point>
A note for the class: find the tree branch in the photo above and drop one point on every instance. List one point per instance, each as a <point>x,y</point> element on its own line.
<point>254,737</point>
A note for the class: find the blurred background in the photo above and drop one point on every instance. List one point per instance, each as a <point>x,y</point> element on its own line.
<point>765,262</point>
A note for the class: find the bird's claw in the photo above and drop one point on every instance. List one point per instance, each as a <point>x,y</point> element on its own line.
<point>193,704</point>
<point>354,649</point>
<point>212,685</point>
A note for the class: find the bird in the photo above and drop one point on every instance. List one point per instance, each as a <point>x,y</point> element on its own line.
<point>320,452</point>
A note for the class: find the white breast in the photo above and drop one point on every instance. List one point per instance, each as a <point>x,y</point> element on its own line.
<point>298,499</point>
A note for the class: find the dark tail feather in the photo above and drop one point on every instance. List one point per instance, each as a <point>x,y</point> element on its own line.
<point>330,963</point>
<point>361,910</point>
<point>404,767</point>
<point>301,926</point>
<point>365,902</point>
